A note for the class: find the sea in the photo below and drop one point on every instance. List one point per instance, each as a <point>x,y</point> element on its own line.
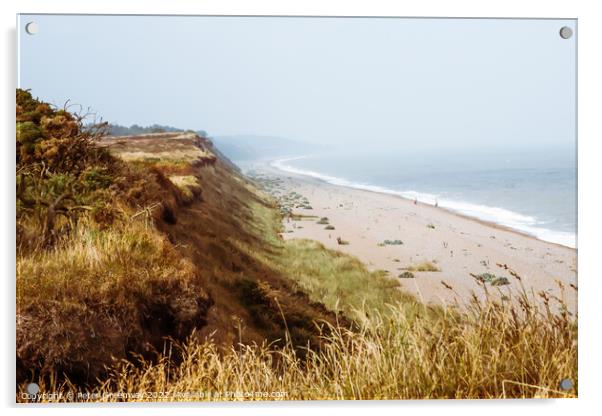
<point>530,190</point>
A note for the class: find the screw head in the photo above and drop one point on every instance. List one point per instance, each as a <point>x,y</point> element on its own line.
<point>31,28</point>
<point>33,388</point>
<point>566,384</point>
<point>566,32</point>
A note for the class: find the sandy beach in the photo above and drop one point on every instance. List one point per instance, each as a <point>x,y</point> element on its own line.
<point>456,245</point>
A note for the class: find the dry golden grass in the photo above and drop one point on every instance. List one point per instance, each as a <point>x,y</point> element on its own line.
<point>426,266</point>
<point>161,147</point>
<point>96,261</point>
<point>489,350</point>
<point>188,184</point>
<point>85,302</point>
<point>171,156</point>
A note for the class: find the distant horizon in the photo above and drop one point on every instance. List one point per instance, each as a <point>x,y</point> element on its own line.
<point>485,148</point>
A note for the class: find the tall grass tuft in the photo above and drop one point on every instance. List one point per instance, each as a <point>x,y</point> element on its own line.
<point>426,266</point>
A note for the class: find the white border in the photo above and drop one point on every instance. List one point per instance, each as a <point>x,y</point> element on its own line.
<point>590,207</point>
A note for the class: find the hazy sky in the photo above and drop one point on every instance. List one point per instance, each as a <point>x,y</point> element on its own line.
<point>396,82</point>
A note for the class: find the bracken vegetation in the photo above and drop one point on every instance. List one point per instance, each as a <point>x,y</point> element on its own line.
<point>167,279</point>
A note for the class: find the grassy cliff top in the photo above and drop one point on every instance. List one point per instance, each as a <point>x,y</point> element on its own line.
<point>184,147</point>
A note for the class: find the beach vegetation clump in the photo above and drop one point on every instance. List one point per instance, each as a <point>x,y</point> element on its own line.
<point>431,226</point>
<point>426,266</point>
<point>329,227</point>
<point>303,217</point>
<point>492,279</point>
<point>392,242</point>
<point>322,221</point>
<point>500,281</point>
<point>406,275</point>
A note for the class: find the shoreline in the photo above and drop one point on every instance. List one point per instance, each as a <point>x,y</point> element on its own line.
<point>271,164</point>
<point>458,245</point>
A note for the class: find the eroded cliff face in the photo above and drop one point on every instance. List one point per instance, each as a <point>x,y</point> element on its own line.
<point>214,227</point>
<point>183,259</point>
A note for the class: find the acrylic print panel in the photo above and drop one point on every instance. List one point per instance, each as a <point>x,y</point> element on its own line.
<point>295,208</point>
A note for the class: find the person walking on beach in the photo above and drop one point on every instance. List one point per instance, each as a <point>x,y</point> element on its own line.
<point>415,201</point>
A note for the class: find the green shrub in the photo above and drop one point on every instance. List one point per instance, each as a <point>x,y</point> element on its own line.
<point>492,279</point>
